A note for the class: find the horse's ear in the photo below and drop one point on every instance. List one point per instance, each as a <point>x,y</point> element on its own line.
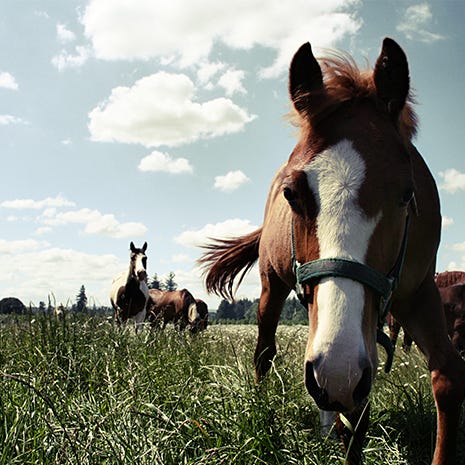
<point>144,247</point>
<point>305,77</point>
<point>391,77</point>
<point>132,247</point>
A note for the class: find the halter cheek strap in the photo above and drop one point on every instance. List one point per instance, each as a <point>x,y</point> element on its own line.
<point>383,285</point>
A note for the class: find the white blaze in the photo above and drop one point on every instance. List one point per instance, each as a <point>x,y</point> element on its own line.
<point>344,231</point>
<point>139,266</point>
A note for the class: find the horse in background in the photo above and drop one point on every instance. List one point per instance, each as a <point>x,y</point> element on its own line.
<point>177,307</point>
<point>451,285</point>
<point>352,223</point>
<point>449,278</point>
<point>202,308</point>
<point>129,291</point>
<point>453,300</point>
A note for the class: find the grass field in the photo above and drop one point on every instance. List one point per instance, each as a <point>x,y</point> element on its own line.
<point>81,391</point>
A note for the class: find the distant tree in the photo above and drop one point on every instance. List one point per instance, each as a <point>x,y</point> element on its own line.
<point>12,305</point>
<point>238,310</point>
<point>154,282</point>
<point>81,300</point>
<point>294,311</point>
<point>225,311</point>
<point>42,307</point>
<point>170,284</point>
<point>251,313</point>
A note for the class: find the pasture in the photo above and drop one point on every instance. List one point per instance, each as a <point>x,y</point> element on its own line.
<point>82,391</point>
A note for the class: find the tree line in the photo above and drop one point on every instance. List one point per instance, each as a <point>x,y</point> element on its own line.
<point>240,311</point>
<point>245,311</point>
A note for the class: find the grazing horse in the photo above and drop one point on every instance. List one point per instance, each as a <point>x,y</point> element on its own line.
<point>129,292</point>
<point>449,278</point>
<point>453,300</point>
<point>352,222</point>
<point>202,308</point>
<point>454,311</point>
<point>178,307</point>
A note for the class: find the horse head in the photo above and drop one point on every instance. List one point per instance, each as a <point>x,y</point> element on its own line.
<point>138,262</point>
<point>349,186</point>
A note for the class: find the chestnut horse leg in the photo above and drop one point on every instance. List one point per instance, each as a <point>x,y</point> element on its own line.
<point>272,299</point>
<point>426,324</point>
<point>353,434</point>
<point>394,328</point>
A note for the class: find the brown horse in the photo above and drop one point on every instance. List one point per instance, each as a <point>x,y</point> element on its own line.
<point>453,300</point>
<point>449,278</point>
<point>178,307</point>
<point>129,292</point>
<point>454,311</point>
<point>352,222</point>
<point>202,308</point>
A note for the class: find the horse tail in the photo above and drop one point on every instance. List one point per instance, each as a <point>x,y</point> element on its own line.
<point>225,258</point>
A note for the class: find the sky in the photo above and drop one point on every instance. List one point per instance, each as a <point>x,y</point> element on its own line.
<point>157,121</point>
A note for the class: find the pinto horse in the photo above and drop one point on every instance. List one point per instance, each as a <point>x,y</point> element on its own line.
<point>129,292</point>
<point>352,223</point>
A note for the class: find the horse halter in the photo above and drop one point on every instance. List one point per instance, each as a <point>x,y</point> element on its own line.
<point>383,285</point>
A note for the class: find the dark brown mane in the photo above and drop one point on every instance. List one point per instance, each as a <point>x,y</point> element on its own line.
<point>344,82</point>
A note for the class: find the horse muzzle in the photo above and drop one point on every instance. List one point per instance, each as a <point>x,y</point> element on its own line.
<point>336,396</point>
<point>142,275</point>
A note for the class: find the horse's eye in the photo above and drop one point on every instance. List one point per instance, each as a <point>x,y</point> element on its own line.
<point>289,194</point>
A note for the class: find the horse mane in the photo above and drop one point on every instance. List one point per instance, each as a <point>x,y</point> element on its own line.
<point>344,82</point>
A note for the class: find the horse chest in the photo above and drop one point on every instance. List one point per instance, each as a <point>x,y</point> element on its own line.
<point>134,298</point>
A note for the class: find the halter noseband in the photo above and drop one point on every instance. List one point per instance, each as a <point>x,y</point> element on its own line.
<point>383,285</point>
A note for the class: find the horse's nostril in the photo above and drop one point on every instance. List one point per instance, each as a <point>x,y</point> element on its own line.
<point>319,394</point>
<point>363,387</point>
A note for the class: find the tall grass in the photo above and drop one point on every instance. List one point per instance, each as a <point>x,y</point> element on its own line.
<point>82,391</point>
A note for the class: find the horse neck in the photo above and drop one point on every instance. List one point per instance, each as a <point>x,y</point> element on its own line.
<point>131,276</point>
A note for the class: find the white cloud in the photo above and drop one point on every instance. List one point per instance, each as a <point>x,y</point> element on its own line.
<point>229,228</point>
<point>32,274</point>
<point>66,60</point>
<point>23,204</point>
<point>458,247</point>
<point>447,221</point>
<point>230,181</point>
<point>64,34</point>
<point>163,162</point>
<point>95,223</point>
<point>207,71</point>
<point>7,81</point>
<point>180,258</point>
<point>16,246</point>
<point>43,230</point>
<point>453,181</point>
<point>161,110</point>
<point>10,119</point>
<point>231,82</point>
<point>414,24</point>
<point>187,30</point>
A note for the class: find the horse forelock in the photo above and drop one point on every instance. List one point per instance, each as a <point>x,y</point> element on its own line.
<point>344,82</point>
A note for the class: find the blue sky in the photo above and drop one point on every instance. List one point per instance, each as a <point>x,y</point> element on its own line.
<point>164,122</point>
